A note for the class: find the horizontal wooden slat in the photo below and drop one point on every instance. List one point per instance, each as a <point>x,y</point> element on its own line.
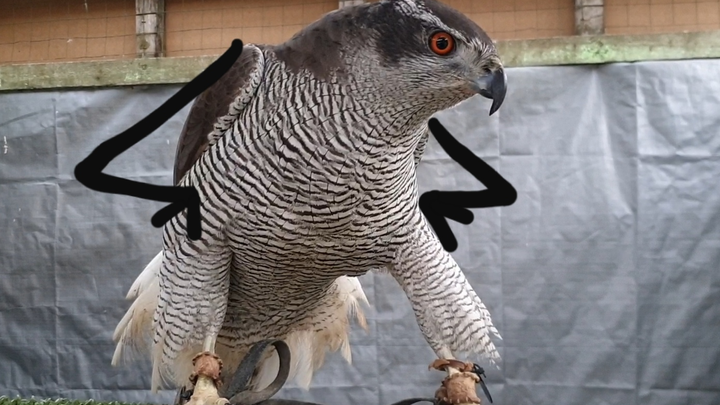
<point>537,52</point>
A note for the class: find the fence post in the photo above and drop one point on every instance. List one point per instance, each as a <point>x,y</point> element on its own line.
<point>589,17</point>
<point>345,3</point>
<point>150,28</point>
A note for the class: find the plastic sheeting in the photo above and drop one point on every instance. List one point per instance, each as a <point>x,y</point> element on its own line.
<point>602,278</point>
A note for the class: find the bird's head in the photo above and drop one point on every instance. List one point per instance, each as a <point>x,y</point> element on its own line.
<point>414,51</point>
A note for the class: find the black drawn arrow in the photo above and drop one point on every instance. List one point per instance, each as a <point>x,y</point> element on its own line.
<point>439,205</point>
<point>89,171</point>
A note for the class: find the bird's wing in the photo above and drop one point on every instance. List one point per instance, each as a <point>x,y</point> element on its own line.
<point>214,110</point>
<point>194,274</point>
<point>212,113</point>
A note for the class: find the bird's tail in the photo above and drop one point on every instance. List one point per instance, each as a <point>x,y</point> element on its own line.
<point>327,331</point>
<point>133,334</point>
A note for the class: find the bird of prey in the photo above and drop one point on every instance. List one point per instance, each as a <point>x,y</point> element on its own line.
<point>304,155</point>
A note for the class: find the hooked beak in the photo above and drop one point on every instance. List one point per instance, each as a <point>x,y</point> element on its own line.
<point>494,87</point>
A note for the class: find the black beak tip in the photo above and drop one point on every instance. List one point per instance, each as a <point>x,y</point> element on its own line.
<point>496,91</point>
<point>495,106</point>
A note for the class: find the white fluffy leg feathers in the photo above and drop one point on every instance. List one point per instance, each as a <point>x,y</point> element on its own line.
<point>327,330</point>
<point>133,334</point>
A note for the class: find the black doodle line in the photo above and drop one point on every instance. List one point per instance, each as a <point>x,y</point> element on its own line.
<point>435,205</point>
<point>89,171</point>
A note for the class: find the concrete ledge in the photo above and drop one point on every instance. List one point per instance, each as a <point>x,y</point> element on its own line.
<point>102,73</point>
<point>537,52</point>
<point>581,50</point>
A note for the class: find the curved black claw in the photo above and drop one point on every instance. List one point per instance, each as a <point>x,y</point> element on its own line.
<point>183,396</point>
<point>411,401</point>
<point>236,390</point>
<point>285,402</point>
<point>246,369</point>
<point>480,372</point>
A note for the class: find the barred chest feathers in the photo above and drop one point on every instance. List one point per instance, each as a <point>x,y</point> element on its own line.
<point>314,170</point>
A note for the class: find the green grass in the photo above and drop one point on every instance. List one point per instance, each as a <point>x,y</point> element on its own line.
<point>40,401</point>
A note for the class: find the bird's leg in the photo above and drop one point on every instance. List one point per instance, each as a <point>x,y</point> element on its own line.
<point>458,388</point>
<point>446,362</point>
<point>206,376</point>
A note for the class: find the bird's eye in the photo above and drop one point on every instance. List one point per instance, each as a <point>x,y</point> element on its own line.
<point>442,43</point>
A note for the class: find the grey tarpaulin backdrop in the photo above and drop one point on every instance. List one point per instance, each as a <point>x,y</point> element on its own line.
<point>603,277</point>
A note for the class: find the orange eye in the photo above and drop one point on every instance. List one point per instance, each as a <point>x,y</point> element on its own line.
<point>442,43</point>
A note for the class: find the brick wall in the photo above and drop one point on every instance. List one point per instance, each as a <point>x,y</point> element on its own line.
<point>520,19</point>
<point>199,28</point>
<point>42,30</point>
<point>657,16</point>
<point>63,30</point>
